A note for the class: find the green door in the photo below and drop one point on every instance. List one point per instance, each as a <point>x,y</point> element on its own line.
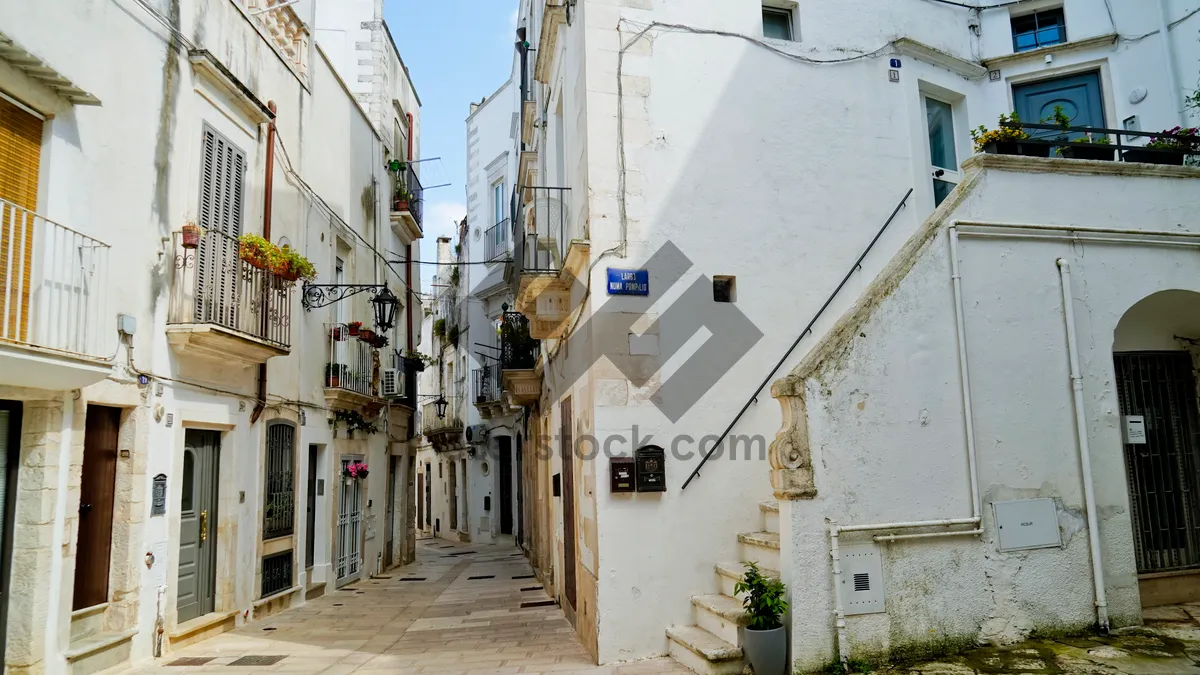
<point>1079,96</point>
<point>198,525</point>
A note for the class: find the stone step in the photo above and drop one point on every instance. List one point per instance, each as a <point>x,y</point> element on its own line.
<point>729,573</point>
<point>703,652</point>
<point>98,652</point>
<point>770,513</point>
<point>761,547</point>
<point>720,615</point>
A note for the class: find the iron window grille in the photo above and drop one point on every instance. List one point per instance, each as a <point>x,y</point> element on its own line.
<point>1039,29</point>
<point>276,573</point>
<point>279,506</point>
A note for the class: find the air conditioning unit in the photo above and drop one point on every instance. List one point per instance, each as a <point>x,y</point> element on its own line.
<point>477,434</point>
<point>391,383</point>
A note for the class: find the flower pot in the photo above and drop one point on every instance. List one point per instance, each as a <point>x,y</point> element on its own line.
<point>335,382</point>
<point>1149,156</point>
<point>1023,148</point>
<point>338,333</point>
<point>766,650</point>
<point>362,473</point>
<point>1093,151</point>
<point>401,205</point>
<point>191,236</point>
<point>366,335</point>
<point>354,328</point>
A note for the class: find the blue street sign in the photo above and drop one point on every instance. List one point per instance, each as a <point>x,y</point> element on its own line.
<point>894,63</point>
<point>628,282</point>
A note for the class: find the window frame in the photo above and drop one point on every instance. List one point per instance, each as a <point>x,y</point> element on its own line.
<point>784,12</point>
<point>1036,16</point>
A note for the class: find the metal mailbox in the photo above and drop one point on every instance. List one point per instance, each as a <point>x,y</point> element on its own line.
<point>650,461</point>
<point>621,475</point>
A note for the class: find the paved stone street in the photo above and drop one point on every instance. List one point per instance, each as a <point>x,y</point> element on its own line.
<point>456,610</point>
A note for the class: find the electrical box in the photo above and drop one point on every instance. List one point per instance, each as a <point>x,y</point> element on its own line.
<point>650,461</point>
<point>621,474</point>
<point>1027,523</point>
<point>862,579</point>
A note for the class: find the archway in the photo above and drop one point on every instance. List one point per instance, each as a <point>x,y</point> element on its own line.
<point>1156,347</point>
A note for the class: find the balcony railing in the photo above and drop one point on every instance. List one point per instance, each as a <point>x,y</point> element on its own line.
<point>53,285</point>
<point>488,383</point>
<point>407,193</point>
<point>540,234</point>
<point>352,364</point>
<point>213,285</point>
<point>518,351</point>
<point>1178,147</point>
<point>496,241</point>
<point>431,424</point>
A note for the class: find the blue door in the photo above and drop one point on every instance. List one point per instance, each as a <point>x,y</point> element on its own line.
<point>1079,96</point>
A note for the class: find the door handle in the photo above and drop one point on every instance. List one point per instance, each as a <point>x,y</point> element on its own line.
<point>204,525</point>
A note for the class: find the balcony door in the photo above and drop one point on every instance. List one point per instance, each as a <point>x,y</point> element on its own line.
<point>1078,95</point>
<point>20,155</point>
<point>222,196</point>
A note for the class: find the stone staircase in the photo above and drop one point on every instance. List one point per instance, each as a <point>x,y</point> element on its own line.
<point>711,646</point>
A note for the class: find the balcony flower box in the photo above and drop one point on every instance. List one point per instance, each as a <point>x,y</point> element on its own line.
<point>191,236</point>
<point>366,335</point>
<point>282,261</point>
<point>1022,148</point>
<point>1092,151</point>
<point>1153,156</point>
<point>354,327</point>
<point>1169,147</point>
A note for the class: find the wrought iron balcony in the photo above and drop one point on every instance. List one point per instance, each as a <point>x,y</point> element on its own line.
<point>53,303</point>
<point>541,232</point>
<point>518,360</point>
<point>352,367</point>
<point>224,308</point>
<point>495,241</point>
<point>444,433</point>
<point>408,201</point>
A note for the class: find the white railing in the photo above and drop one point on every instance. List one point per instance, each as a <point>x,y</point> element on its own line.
<point>353,365</point>
<point>53,285</point>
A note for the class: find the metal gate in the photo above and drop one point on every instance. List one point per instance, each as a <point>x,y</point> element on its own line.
<point>350,518</point>
<point>1161,464</point>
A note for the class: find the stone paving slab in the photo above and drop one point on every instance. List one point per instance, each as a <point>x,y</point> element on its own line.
<point>448,624</point>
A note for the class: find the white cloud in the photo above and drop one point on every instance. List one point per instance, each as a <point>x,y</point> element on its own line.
<point>440,219</point>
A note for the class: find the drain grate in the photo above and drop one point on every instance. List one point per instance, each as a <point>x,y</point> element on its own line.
<point>482,576</point>
<point>258,660</point>
<point>192,661</point>
<point>269,628</point>
<point>538,603</point>
<point>524,576</point>
<point>381,577</point>
<point>412,579</point>
<point>531,588</point>
<point>338,604</point>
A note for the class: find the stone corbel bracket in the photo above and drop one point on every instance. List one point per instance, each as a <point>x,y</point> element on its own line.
<point>790,454</point>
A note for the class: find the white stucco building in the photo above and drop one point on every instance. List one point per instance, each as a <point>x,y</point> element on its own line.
<point>175,413</point>
<point>736,163</point>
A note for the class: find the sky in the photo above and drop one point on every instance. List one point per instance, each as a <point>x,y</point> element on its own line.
<point>457,51</point>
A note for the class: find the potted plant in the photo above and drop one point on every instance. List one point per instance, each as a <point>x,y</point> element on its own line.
<point>439,328</point>
<point>333,374</point>
<point>292,266</point>
<point>381,341</point>
<point>357,470</point>
<point>1167,148</point>
<point>191,235</point>
<point>1089,147</point>
<point>366,335</point>
<point>402,198</point>
<point>338,333</point>
<point>764,639</point>
<point>417,360</point>
<point>258,252</point>
<point>354,327</point>
<point>1008,140</point>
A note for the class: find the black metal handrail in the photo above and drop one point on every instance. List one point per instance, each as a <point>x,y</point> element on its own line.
<point>407,193</point>
<point>495,241</point>
<point>518,351</point>
<point>796,343</point>
<point>1049,136</point>
<point>543,228</point>
<point>487,383</point>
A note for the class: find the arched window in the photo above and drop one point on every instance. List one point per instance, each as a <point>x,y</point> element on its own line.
<point>279,503</point>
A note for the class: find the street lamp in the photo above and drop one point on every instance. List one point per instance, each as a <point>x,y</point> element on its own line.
<point>385,303</point>
<point>440,406</point>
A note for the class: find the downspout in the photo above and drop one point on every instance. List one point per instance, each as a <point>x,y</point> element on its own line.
<point>1164,29</point>
<point>1085,455</point>
<point>408,268</point>
<point>268,188</point>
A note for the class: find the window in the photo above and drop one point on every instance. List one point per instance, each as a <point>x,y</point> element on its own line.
<point>724,288</point>
<point>1039,29</point>
<point>777,23</point>
<point>279,505</point>
<point>943,160</point>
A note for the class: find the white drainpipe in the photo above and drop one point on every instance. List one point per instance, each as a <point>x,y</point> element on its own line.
<point>1164,30</point>
<point>1085,455</point>
<point>972,471</point>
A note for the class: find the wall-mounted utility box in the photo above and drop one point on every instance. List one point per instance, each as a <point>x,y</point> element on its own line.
<point>621,474</point>
<point>862,579</point>
<point>1026,523</point>
<point>651,468</point>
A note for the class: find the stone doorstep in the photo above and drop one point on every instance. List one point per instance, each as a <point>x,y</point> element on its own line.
<point>202,627</point>
<point>723,606</point>
<point>93,644</point>
<point>704,644</point>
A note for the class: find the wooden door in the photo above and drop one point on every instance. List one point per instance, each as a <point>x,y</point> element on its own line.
<point>505,478</point>
<point>198,493</point>
<point>420,501</point>
<point>566,452</point>
<point>310,515</point>
<point>390,513</point>
<point>96,506</point>
<point>428,494</point>
<point>10,446</point>
<point>452,495</point>
<point>20,156</point>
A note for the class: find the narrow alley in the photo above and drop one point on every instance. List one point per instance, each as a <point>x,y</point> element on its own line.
<point>457,609</point>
